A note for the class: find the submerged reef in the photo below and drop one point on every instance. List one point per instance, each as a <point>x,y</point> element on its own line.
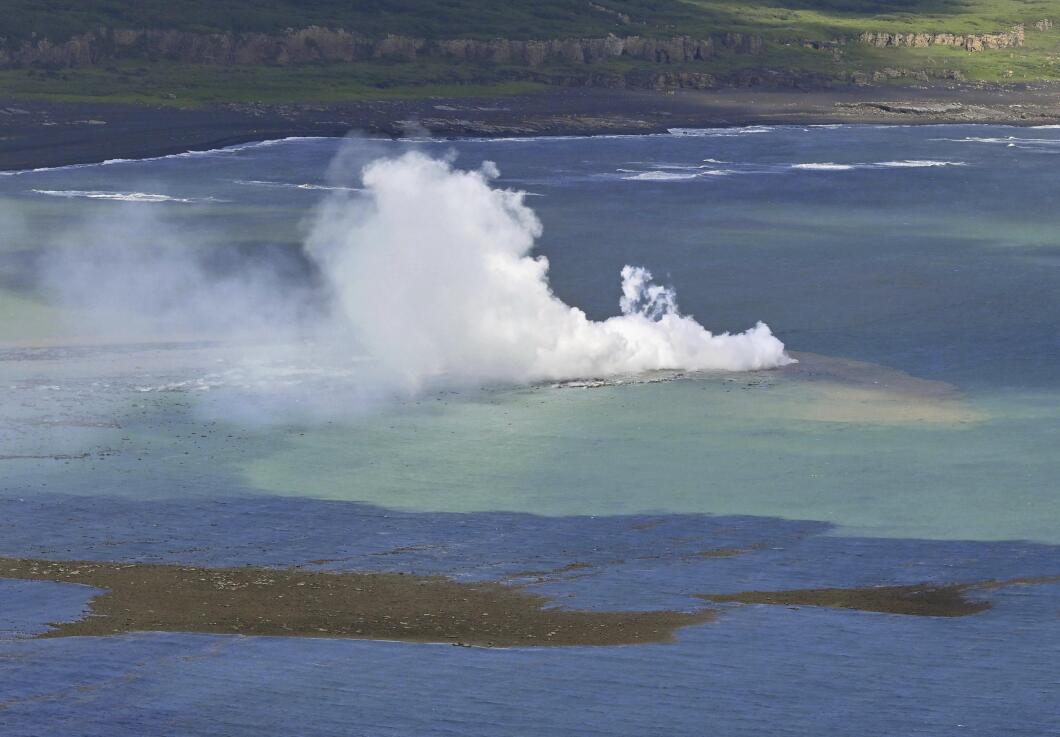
<point>291,602</point>
<point>924,600</point>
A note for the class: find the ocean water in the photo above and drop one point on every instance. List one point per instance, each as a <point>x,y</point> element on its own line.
<point>914,271</point>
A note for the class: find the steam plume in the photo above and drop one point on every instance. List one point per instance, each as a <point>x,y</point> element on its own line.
<point>424,278</point>
<point>432,270</point>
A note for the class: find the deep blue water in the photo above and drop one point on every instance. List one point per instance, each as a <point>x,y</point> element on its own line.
<point>781,670</point>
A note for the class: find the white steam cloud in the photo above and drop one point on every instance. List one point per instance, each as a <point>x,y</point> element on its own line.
<point>424,278</point>
<point>127,273</point>
<point>433,270</point>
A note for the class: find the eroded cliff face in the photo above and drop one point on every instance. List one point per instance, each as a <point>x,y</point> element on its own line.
<point>562,61</point>
<point>316,44</point>
<point>969,42</point>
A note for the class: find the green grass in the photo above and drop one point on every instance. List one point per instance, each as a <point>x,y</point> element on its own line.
<point>782,23</point>
<point>823,19</point>
<point>1028,64</point>
<point>191,85</point>
<point>59,19</point>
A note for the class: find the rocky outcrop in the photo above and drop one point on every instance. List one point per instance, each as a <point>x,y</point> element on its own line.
<point>916,75</point>
<point>967,41</point>
<point>668,81</point>
<point>316,44</point>
<point>678,49</point>
<point>907,108</point>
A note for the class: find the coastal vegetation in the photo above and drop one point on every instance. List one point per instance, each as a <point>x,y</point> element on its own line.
<point>171,84</point>
<point>201,52</point>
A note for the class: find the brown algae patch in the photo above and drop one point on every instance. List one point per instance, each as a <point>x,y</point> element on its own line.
<point>922,600</point>
<point>718,553</point>
<point>845,404</point>
<point>846,391</point>
<point>864,375</point>
<point>142,597</point>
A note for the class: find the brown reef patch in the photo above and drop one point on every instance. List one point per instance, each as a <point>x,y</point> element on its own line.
<point>716,553</point>
<point>293,602</point>
<point>845,391</point>
<point>862,375</point>
<point>296,602</point>
<point>922,600</point>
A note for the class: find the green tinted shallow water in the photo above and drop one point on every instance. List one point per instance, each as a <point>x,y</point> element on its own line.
<point>699,446</point>
<point>27,320</point>
<point>892,461</point>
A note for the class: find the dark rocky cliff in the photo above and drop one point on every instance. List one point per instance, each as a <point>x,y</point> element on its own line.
<point>967,41</point>
<point>316,44</point>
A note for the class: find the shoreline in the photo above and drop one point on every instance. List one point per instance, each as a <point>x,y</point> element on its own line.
<point>47,134</point>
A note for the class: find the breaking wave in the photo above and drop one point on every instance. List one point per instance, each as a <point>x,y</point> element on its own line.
<point>662,176</point>
<point>825,166</point>
<point>721,132</point>
<point>182,155</point>
<point>119,196</point>
<point>293,185</point>
<point>1040,145</point>
<point>904,164</point>
<point>678,173</point>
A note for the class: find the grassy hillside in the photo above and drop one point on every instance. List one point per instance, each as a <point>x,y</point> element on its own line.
<point>784,26</point>
<point>59,19</point>
<point>820,19</point>
<point>191,85</point>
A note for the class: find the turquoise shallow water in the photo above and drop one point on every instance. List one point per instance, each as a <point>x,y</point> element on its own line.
<point>913,269</point>
<point>875,461</point>
<point>692,447</point>
<point>926,250</point>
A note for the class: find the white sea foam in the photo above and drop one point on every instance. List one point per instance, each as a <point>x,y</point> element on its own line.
<point>1005,140</point>
<point>662,176</point>
<point>918,164</point>
<point>521,139</point>
<point>119,196</point>
<point>721,132</point>
<point>903,164</point>
<point>326,188</point>
<point>675,172</point>
<point>825,166</point>
<point>183,155</point>
<point>293,185</point>
<point>681,167</point>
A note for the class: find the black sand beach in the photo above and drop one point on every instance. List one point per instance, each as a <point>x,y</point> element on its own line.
<point>38,134</point>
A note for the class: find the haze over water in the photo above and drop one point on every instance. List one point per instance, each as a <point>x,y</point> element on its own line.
<point>913,272</point>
